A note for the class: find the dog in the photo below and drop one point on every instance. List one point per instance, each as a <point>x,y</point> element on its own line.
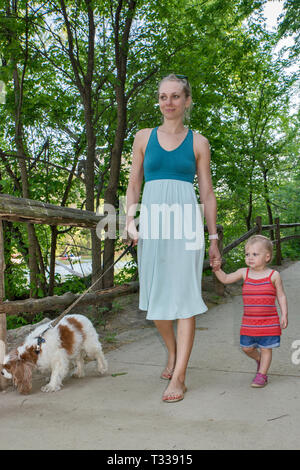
<point>71,341</point>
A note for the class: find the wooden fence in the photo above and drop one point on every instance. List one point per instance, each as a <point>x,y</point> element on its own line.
<point>259,228</point>
<point>16,209</point>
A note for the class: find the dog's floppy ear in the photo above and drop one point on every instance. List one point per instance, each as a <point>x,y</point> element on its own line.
<point>23,372</point>
<point>13,354</point>
<point>23,377</point>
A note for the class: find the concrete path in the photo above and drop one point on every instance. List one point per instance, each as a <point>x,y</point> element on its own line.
<point>123,410</point>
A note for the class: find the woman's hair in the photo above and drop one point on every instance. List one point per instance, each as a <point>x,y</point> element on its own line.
<point>267,244</point>
<point>172,77</point>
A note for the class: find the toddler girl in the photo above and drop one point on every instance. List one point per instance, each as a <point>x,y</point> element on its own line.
<point>260,327</point>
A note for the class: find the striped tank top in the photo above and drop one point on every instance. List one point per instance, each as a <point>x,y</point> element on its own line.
<point>260,313</point>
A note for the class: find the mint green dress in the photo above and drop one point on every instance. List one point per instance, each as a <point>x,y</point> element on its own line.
<point>171,236</point>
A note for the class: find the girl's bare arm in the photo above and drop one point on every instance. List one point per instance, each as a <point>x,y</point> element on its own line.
<point>232,277</point>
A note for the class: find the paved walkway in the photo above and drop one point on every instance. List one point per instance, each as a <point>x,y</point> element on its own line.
<point>123,410</point>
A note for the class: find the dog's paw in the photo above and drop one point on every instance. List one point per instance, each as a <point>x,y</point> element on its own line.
<point>102,367</point>
<point>50,388</point>
<point>78,374</point>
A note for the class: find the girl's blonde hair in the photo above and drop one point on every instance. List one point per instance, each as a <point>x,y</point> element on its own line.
<point>266,242</point>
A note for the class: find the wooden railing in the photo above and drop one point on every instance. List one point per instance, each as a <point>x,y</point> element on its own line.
<point>26,210</point>
<point>257,229</point>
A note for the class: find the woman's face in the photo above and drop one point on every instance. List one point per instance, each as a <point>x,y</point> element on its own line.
<point>172,100</point>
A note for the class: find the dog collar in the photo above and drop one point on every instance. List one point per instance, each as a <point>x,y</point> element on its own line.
<point>40,340</point>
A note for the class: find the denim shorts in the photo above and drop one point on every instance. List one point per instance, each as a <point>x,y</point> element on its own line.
<point>267,342</point>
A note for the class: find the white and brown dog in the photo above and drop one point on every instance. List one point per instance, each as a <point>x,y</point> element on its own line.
<point>71,341</point>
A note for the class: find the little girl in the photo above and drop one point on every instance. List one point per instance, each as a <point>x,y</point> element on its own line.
<point>260,327</point>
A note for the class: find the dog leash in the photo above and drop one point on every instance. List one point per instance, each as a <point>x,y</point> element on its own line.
<point>40,338</point>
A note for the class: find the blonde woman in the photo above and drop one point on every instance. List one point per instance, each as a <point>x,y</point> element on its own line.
<point>170,238</point>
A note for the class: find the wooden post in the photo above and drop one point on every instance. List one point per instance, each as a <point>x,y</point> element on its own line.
<point>3,381</point>
<point>278,242</point>
<point>218,286</point>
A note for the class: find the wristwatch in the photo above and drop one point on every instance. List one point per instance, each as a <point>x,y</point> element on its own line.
<point>214,236</point>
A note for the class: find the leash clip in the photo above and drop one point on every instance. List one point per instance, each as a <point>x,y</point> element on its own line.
<point>40,340</point>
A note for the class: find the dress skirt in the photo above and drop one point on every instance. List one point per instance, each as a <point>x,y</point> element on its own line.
<point>170,251</point>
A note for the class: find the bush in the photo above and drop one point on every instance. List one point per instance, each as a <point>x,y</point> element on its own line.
<point>15,321</point>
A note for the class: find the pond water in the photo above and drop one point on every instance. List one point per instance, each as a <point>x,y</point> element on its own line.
<point>83,267</point>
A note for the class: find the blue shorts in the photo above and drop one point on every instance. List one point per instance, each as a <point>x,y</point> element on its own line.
<point>267,342</point>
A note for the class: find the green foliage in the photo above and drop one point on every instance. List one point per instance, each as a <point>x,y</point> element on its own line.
<point>71,283</point>
<point>290,24</point>
<point>16,282</point>
<point>110,338</point>
<point>13,321</point>
<point>242,103</point>
<point>126,273</point>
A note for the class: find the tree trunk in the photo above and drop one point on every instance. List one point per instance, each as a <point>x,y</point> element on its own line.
<point>3,381</point>
<point>61,302</point>
<point>32,240</point>
<point>54,230</point>
<point>84,82</point>
<point>267,200</point>
<point>19,140</point>
<point>112,188</point>
<point>121,39</point>
<point>90,186</point>
<point>250,208</point>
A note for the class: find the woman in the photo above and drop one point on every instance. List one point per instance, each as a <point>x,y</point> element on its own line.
<point>170,260</point>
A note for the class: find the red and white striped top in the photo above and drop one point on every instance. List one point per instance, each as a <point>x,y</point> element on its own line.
<point>260,313</point>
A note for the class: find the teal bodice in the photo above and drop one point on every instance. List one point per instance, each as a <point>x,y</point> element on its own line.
<point>178,164</point>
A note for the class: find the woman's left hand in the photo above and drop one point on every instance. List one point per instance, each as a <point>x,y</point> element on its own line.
<point>215,259</point>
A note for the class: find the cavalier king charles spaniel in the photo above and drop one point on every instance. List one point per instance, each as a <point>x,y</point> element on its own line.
<point>71,341</point>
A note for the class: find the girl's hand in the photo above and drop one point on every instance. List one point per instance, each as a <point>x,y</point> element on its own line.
<point>282,300</point>
<point>216,265</point>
